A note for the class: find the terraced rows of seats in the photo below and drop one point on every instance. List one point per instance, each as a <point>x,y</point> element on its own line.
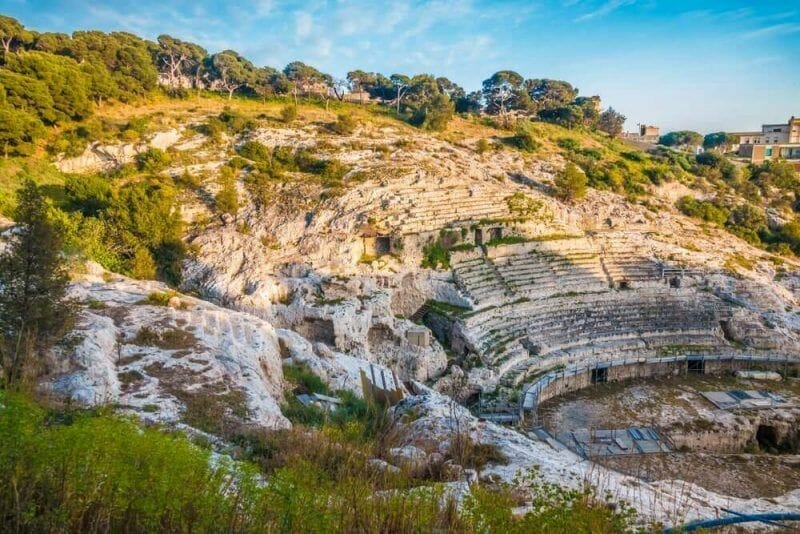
<point>421,209</point>
<point>555,267</point>
<point>477,276</point>
<point>626,262</point>
<point>543,269</point>
<point>518,339</point>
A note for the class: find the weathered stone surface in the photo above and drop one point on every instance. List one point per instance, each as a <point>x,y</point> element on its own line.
<point>151,358</point>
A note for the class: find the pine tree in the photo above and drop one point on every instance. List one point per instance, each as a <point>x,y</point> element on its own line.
<point>35,311</point>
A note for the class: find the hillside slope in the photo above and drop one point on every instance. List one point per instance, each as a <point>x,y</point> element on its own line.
<point>429,256</point>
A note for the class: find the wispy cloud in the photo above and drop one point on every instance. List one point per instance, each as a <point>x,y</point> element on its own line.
<point>775,30</point>
<point>303,24</point>
<point>605,9</point>
<point>724,14</point>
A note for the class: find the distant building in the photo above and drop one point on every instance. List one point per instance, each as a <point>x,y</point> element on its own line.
<point>774,141</point>
<point>359,97</point>
<point>647,134</point>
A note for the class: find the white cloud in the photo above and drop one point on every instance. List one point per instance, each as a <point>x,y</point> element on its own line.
<point>786,28</point>
<point>605,9</point>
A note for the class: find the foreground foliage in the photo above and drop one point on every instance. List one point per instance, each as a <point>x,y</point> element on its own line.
<point>90,471</point>
<point>34,309</point>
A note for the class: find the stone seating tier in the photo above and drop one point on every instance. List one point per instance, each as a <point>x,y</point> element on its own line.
<point>562,321</point>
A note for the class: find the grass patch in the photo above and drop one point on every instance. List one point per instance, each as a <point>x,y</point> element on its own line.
<point>128,477</point>
<point>170,339</point>
<point>446,309</point>
<point>507,240</point>
<point>158,298</point>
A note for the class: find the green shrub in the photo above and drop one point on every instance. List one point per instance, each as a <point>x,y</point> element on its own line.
<point>88,194</point>
<point>227,198</point>
<point>435,256</point>
<point>703,209</point>
<point>158,298</point>
<point>525,141</point>
<point>570,184</point>
<point>345,124</point>
<point>255,151</point>
<point>305,379</point>
<point>333,172</point>
<point>143,266</point>
<point>289,114</point>
<point>112,474</point>
<point>152,160</point>
<point>236,122</point>
<point>78,468</point>
<point>435,114</point>
<point>188,180</point>
<point>569,143</point>
<point>237,163</point>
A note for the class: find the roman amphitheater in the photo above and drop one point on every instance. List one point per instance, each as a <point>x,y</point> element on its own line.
<point>607,340</point>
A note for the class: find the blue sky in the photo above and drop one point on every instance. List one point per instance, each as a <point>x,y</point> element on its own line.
<point>699,64</point>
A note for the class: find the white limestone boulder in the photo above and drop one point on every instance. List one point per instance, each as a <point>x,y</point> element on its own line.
<point>155,359</point>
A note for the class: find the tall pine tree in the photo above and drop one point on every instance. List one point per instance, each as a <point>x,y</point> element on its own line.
<point>35,311</point>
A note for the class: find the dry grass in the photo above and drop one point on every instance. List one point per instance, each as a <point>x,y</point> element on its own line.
<point>170,339</point>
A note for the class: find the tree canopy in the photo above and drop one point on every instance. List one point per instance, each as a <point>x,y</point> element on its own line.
<point>681,138</point>
<point>52,78</point>
<point>719,140</point>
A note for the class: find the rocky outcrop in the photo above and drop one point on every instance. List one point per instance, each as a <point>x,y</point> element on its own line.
<point>365,327</point>
<point>103,157</point>
<point>156,357</point>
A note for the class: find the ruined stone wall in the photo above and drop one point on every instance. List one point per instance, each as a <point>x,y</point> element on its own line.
<point>651,370</point>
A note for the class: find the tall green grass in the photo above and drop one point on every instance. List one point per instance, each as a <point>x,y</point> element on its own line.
<point>82,471</point>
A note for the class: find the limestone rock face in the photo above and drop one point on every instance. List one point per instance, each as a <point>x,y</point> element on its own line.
<point>365,328</point>
<point>103,157</point>
<point>756,331</point>
<point>340,371</point>
<point>156,360</point>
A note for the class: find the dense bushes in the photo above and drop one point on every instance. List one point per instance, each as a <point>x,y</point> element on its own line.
<point>50,79</point>
<point>703,209</point>
<point>619,169</point>
<point>434,114</point>
<point>152,160</point>
<point>345,124</point>
<point>128,229</point>
<point>71,471</point>
<point>271,165</point>
<point>771,185</point>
